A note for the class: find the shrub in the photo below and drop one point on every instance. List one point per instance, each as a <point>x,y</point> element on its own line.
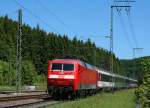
<point>143,92</point>
<point>29,73</point>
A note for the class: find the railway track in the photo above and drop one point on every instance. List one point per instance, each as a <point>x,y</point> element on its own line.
<point>24,91</point>
<point>39,104</point>
<point>24,97</point>
<point>27,101</point>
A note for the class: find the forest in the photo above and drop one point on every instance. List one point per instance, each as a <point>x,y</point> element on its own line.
<point>38,47</point>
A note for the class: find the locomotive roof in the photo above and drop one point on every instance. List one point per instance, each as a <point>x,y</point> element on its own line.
<point>66,60</point>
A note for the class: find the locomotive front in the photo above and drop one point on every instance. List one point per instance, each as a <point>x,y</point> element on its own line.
<point>61,77</point>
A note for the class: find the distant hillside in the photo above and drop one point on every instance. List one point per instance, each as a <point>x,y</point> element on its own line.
<point>133,67</point>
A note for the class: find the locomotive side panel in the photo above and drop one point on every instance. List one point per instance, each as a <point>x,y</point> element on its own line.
<point>87,78</point>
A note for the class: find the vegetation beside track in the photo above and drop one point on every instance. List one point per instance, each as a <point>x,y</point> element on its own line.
<point>9,88</point>
<point>118,99</point>
<point>13,88</point>
<point>143,92</point>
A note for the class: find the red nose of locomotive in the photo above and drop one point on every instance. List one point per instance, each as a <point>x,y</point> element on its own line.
<point>61,74</point>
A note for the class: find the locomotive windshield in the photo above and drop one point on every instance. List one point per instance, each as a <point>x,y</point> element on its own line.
<point>56,66</point>
<point>68,67</point>
<point>64,67</point>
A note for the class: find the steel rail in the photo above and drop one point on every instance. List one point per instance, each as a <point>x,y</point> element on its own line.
<point>39,104</point>
<point>24,91</point>
<point>24,97</point>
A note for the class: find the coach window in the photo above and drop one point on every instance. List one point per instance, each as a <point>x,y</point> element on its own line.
<point>105,78</point>
<point>56,66</point>
<point>68,67</point>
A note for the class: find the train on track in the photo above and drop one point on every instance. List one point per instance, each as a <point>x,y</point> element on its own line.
<point>75,78</point>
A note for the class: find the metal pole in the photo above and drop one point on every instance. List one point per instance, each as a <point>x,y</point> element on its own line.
<point>111,44</point>
<point>19,51</point>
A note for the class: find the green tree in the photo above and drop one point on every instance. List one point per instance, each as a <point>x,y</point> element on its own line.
<point>29,73</point>
<point>143,92</point>
<point>7,73</point>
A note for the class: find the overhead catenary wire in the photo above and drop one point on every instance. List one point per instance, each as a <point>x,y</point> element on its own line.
<point>132,30</point>
<point>50,12</point>
<point>115,3</point>
<point>127,2</point>
<point>36,16</point>
<point>60,20</point>
<point>123,24</point>
<point>125,31</point>
<point>56,17</point>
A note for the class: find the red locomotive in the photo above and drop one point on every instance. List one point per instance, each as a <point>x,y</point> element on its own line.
<point>74,78</point>
<point>71,78</point>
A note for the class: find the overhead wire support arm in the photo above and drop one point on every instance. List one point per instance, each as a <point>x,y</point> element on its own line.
<point>119,6</point>
<point>136,49</point>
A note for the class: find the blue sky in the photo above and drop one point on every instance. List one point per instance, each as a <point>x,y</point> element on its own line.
<point>89,19</point>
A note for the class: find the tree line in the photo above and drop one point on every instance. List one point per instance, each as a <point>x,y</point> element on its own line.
<point>39,46</point>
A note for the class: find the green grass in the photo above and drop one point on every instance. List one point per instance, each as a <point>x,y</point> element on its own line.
<point>120,99</point>
<point>9,88</point>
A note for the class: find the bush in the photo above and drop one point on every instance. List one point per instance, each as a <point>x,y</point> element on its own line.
<point>143,92</point>
<point>41,81</point>
<point>29,73</point>
<point>7,73</point>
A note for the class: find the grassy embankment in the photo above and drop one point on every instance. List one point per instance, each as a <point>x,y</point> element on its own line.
<point>120,99</point>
